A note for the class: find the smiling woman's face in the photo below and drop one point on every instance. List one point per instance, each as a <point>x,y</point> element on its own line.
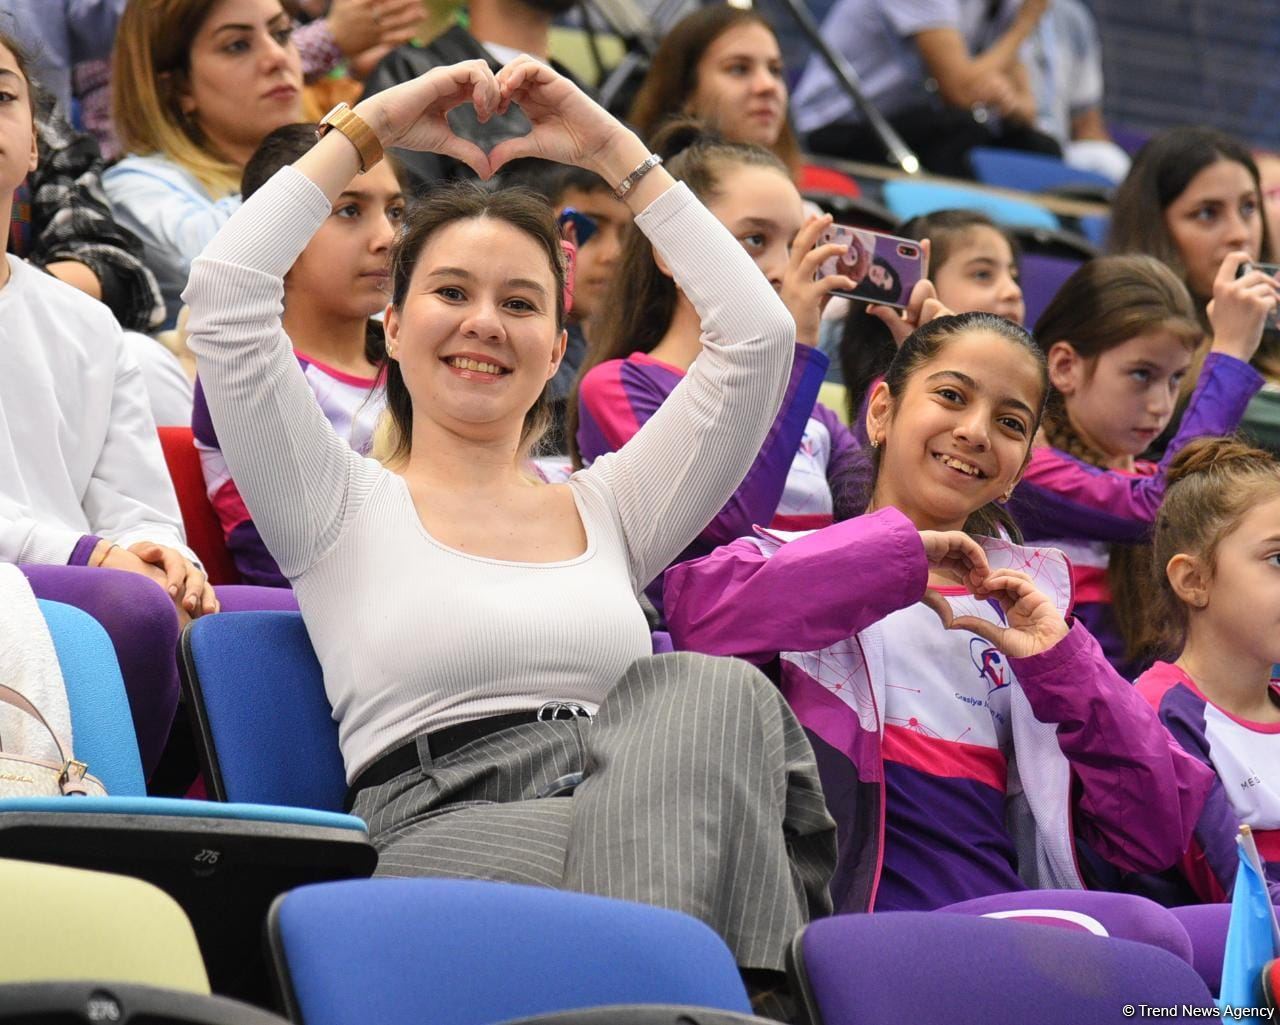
<point>476,337</point>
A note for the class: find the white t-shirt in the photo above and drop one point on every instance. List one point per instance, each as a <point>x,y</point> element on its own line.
<point>79,452</point>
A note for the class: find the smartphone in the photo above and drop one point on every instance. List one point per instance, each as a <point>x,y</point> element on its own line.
<point>1273,318</point>
<point>885,267</point>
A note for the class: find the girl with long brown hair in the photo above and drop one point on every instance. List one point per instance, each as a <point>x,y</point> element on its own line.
<point>648,340</point>
<point>1119,337</point>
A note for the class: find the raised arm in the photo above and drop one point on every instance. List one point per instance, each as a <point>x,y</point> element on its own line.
<point>618,398</point>
<point>1062,497</point>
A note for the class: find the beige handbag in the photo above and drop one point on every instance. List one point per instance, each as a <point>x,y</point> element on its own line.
<point>21,776</point>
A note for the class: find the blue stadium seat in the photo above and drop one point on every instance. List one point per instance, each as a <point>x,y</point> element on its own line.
<point>223,863</point>
<point>462,952</point>
<point>907,198</point>
<point>254,689</point>
<point>1032,172</point>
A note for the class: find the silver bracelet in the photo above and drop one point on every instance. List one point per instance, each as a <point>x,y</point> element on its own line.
<point>630,181</point>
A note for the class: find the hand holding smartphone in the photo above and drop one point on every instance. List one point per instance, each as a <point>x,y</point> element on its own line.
<point>885,267</point>
<point>1273,270</point>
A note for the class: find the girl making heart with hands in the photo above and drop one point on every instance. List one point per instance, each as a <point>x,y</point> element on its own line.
<point>481,639</point>
<point>968,733</point>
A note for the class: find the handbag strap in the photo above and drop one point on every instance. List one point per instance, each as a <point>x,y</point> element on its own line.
<point>71,778</point>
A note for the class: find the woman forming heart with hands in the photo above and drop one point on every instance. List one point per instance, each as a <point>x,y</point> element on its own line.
<point>961,720</point>
<point>483,647</point>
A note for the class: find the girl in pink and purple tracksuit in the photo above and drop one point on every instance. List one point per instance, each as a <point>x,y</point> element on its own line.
<point>1119,338</point>
<point>1217,546</point>
<point>650,337</point>
<point>959,762</point>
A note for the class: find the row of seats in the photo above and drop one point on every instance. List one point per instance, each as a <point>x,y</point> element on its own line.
<point>273,840</point>
<point>461,952</point>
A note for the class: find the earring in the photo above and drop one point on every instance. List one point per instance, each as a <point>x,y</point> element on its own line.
<point>875,442</point>
<point>1004,499</point>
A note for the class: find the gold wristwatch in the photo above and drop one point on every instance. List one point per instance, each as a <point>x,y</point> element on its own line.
<point>355,128</point>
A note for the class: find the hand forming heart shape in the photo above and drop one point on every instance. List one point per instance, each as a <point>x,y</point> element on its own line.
<point>567,126</point>
<point>1033,622</point>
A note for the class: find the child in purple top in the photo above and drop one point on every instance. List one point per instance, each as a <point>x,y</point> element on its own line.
<point>1119,337</point>
<point>649,338</point>
<point>958,762</point>
<point>1217,543</point>
<point>336,285</point>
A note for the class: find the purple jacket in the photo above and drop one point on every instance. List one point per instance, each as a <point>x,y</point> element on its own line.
<point>1091,756</point>
<point>1064,503</point>
<point>1242,757</point>
<point>618,397</point>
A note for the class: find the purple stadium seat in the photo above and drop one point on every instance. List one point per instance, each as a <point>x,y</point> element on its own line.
<point>1122,916</point>
<point>1042,276</point>
<point>1206,924</point>
<point>933,967</point>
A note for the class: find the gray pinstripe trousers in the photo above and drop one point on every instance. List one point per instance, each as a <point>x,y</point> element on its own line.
<point>701,794</point>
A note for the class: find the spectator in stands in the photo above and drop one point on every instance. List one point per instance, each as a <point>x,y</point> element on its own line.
<point>338,282</point>
<point>722,65</point>
<point>1215,550</point>
<point>63,224</point>
<point>1119,337</point>
<point>595,222</point>
<point>1192,199</point>
<point>60,34</point>
<point>198,85</point>
<point>650,338</point>
<point>497,32</point>
<point>86,506</point>
<point>1064,59</point>
<point>450,598</point>
<point>973,267</point>
<point>897,637</point>
<point>945,73</point>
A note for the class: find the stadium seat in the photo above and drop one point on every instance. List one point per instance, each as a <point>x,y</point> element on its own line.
<point>223,863</point>
<point>463,952</point>
<point>204,532</point>
<point>1206,925</point>
<point>1124,916</point>
<point>906,198</point>
<point>1096,228</point>
<point>643,1014</point>
<point>1035,172</point>
<point>93,947</point>
<point>253,688</point>
<point>933,968</point>
<point>1041,275</point>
